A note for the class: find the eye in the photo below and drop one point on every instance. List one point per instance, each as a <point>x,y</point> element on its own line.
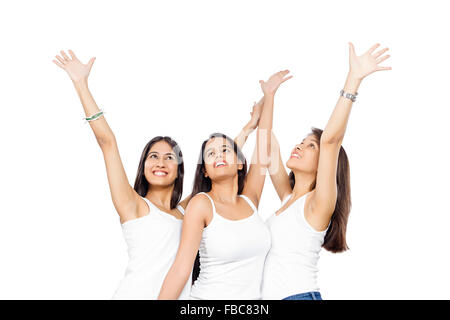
<point>312,145</point>
<point>209,154</point>
<point>153,156</point>
<point>170,157</point>
<point>226,150</point>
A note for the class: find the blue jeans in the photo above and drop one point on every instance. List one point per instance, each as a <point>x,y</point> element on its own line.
<point>305,296</point>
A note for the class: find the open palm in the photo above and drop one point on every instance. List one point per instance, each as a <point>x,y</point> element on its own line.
<point>76,70</point>
<point>362,66</point>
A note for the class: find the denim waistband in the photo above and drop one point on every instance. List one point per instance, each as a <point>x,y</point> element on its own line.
<point>305,296</point>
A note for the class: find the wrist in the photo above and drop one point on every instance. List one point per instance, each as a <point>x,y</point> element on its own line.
<point>269,96</point>
<point>248,128</point>
<point>82,83</point>
<point>352,83</point>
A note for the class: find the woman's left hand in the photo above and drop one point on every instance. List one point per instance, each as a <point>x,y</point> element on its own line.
<point>362,66</point>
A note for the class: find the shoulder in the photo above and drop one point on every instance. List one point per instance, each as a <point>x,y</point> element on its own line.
<point>198,211</point>
<point>200,203</point>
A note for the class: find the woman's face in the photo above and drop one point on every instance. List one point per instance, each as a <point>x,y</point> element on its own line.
<point>161,165</point>
<point>305,156</point>
<point>220,159</point>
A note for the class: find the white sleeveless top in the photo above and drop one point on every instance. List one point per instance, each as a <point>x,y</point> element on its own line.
<point>152,245</point>
<point>232,254</point>
<point>291,265</point>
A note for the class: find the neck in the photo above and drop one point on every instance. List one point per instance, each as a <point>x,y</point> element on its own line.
<point>225,191</point>
<point>303,182</point>
<point>160,195</point>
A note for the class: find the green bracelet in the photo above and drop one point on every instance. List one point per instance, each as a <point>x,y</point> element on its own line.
<point>94,117</point>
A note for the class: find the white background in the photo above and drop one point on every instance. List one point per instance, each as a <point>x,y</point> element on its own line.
<point>190,68</point>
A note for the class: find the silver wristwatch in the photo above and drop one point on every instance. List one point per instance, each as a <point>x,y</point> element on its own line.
<point>349,95</point>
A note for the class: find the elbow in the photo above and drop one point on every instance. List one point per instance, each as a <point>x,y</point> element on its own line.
<point>106,142</point>
<point>331,140</point>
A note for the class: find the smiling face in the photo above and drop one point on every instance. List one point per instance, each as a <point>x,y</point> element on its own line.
<point>220,159</point>
<point>161,164</point>
<point>305,156</point>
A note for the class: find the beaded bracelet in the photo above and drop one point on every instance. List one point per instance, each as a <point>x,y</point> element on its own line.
<point>95,116</point>
<point>349,95</point>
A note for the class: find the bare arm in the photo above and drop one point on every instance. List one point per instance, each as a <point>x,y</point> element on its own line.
<point>191,235</point>
<point>323,199</point>
<point>277,171</point>
<point>126,201</point>
<point>257,173</point>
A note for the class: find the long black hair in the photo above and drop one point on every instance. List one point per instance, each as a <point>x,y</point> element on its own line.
<point>203,184</point>
<point>141,184</point>
<point>335,238</point>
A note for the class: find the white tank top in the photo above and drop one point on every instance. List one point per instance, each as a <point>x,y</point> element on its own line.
<point>152,245</point>
<point>291,264</point>
<point>232,254</point>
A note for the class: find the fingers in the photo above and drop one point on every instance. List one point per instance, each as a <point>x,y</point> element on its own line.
<point>383,68</point>
<point>380,60</point>
<point>63,62</point>
<point>65,55</point>
<point>379,53</point>
<point>72,55</point>
<point>281,74</point>
<point>58,64</point>
<point>372,49</point>
<point>91,62</point>
<point>351,48</point>
<point>286,79</point>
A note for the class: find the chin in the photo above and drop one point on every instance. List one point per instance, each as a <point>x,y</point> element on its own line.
<point>162,182</point>
<point>290,164</point>
<point>226,174</point>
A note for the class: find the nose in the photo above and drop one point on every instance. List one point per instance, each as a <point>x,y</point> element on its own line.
<point>160,163</point>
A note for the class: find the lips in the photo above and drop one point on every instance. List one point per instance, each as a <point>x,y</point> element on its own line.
<point>296,155</point>
<point>159,173</point>
<point>219,164</point>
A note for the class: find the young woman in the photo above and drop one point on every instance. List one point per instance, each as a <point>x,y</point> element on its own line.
<point>221,219</point>
<point>315,196</point>
<point>150,215</point>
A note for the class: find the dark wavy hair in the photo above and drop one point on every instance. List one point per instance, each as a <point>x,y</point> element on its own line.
<point>203,184</point>
<point>141,184</point>
<point>335,238</point>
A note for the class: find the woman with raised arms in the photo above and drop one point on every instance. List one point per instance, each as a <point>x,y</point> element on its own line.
<point>315,195</point>
<point>221,220</point>
<point>150,213</point>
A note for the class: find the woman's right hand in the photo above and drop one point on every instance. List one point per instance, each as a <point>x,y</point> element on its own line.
<point>255,115</point>
<point>77,71</point>
<point>271,86</point>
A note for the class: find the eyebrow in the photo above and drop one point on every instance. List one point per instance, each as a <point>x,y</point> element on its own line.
<point>156,152</point>
<point>313,140</point>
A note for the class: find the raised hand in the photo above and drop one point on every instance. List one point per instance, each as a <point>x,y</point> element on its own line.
<point>255,114</point>
<point>271,85</point>
<point>76,70</point>
<point>362,66</point>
